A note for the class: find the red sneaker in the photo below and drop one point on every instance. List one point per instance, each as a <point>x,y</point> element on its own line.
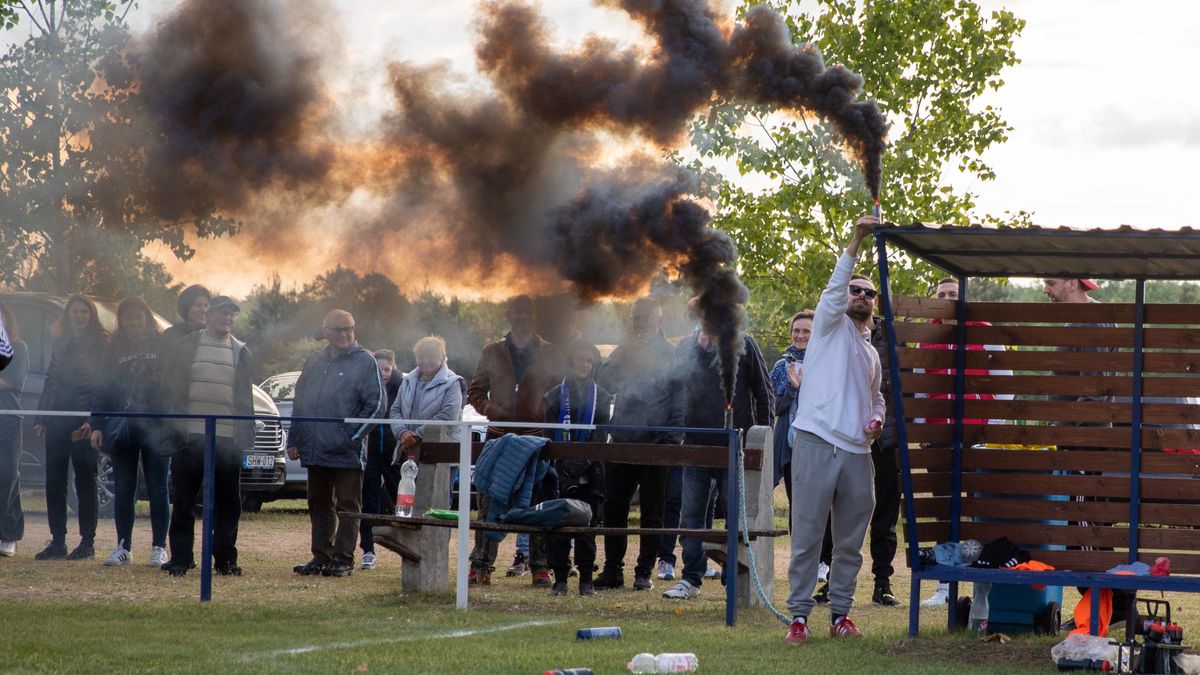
<point>844,628</point>
<point>542,579</point>
<point>797,633</point>
<point>479,579</point>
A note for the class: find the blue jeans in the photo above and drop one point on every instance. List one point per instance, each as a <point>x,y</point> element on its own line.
<point>699,488</point>
<point>125,476</point>
<point>523,545</point>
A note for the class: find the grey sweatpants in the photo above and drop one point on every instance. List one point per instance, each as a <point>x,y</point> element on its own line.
<point>826,479</point>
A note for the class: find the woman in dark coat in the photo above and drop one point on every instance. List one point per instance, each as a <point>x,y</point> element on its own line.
<point>70,385</point>
<point>130,375</point>
<point>192,307</point>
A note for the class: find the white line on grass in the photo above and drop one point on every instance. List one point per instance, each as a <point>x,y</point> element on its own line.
<point>466,632</point>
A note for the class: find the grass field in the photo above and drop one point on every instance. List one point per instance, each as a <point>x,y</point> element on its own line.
<point>81,616</point>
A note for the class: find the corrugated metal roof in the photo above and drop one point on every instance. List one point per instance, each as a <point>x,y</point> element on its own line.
<point>1121,253</point>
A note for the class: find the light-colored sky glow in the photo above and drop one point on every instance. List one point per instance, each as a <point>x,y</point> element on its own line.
<point>1104,105</point>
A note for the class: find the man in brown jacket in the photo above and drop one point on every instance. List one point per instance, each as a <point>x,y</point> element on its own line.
<point>510,381</point>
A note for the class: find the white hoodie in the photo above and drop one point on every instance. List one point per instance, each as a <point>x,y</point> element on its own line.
<point>840,393</point>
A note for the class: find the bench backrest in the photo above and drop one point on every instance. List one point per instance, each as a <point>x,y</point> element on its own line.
<point>1047,449</point>
<point>710,456</point>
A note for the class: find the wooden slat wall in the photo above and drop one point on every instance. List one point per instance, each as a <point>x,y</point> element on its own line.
<point>1004,491</point>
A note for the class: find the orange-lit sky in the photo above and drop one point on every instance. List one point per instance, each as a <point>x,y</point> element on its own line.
<point>1106,119</point>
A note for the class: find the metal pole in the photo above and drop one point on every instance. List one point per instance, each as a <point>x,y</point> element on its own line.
<point>1135,447</point>
<point>960,387</point>
<point>210,497</point>
<point>464,515</point>
<point>910,518</point>
<point>733,515</point>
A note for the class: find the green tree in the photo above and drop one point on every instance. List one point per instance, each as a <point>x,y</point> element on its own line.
<point>72,130</point>
<point>785,189</point>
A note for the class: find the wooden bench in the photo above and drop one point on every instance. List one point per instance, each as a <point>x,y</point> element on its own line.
<point>1078,491</point>
<point>424,543</point>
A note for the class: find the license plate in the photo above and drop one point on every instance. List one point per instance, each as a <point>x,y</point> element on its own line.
<point>258,462</point>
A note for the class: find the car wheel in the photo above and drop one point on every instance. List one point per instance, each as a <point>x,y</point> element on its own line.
<point>105,488</point>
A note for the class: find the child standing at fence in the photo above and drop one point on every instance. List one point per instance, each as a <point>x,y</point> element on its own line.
<point>578,400</point>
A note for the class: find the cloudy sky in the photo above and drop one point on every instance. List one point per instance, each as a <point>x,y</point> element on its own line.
<point>1106,126</point>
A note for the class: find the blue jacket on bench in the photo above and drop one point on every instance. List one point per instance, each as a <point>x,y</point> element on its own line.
<point>507,470</point>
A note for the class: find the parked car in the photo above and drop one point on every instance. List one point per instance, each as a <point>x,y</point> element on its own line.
<point>262,465</point>
<point>282,388</point>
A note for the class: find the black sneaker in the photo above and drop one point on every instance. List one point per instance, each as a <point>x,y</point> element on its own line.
<point>84,551</point>
<point>228,570</point>
<point>176,569</point>
<point>309,569</point>
<point>559,588</point>
<point>336,569</point>
<point>55,550</point>
<point>642,583</point>
<point>822,594</point>
<point>883,595</point>
<point>608,580</point>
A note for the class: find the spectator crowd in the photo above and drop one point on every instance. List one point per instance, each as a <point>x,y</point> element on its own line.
<point>834,446</point>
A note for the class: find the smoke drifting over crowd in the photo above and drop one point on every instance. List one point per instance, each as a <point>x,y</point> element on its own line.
<point>510,188</point>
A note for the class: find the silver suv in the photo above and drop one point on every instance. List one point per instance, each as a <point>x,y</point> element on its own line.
<point>262,465</point>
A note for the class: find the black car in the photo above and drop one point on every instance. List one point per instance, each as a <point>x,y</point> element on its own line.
<point>262,465</point>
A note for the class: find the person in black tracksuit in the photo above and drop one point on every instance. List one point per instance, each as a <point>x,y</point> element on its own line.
<point>381,478</point>
<point>70,385</point>
<point>14,357</point>
<point>577,400</point>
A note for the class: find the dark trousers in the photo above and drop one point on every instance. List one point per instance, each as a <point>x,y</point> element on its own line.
<point>187,477</point>
<point>125,477</point>
<point>381,479</point>
<point>329,491</point>
<point>620,481</point>
<point>671,507</point>
<point>700,488</point>
<point>12,518</point>
<point>883,519</point>
<point>62,452</point>
<point>558,556</point>
<point>483,555</point>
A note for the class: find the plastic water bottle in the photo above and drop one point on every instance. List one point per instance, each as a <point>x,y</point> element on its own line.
<point>597,633</point>
<point>407,492</point>
<point>664,663</point>
<point>569,671</point>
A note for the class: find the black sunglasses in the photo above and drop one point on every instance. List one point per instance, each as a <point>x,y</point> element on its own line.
<point>862,290</point>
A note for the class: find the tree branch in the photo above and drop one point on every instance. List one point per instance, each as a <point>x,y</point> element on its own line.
<point>32,17</point>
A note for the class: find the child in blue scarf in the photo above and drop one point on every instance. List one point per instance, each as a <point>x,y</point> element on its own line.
<point>578,400</point>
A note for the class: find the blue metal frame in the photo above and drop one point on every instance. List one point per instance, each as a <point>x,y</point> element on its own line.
<point>733,520</point>
<point>910,520</point>
<point>1135,446</point>
<point>1091,580</point>
<point>956,452</point>
<point>210,497</point>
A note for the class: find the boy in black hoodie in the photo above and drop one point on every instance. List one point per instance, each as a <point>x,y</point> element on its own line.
<point>578,400</point>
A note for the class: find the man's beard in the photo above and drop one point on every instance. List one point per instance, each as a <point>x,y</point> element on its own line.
<point>858,312</point>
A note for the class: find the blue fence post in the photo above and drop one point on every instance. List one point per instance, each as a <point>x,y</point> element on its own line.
<point>1135,443</point>
<point>210,497</point>
<point>733,519</point>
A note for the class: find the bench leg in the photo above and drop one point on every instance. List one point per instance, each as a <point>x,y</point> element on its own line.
<point>1094,620</point>
<point>432,572</point>
<point>914,607</point>
<point>952,608</point>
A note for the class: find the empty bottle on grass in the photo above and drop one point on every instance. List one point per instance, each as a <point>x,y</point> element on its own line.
<point>598,633</point>
<point>407,492</point>
<point>664,663</point>
<point>569,671</point>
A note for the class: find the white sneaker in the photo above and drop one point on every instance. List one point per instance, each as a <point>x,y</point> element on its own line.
<point>158,556</point>
<point>822,573</point>
<point>712,572</point>
<point>8,549</point>
<point>666,571</point>
<point>368,562</point>
<point>682,591</point>
<point>119,556</point>
<point>940,597</point>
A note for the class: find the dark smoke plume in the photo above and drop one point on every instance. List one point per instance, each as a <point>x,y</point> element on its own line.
<point>236,99</point>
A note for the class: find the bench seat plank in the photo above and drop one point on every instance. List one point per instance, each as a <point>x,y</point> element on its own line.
<point>422,521</point>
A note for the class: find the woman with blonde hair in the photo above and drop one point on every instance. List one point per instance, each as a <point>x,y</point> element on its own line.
<point>431,391</point>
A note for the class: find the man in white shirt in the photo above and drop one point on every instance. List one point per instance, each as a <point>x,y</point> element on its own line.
<point>839,412</point>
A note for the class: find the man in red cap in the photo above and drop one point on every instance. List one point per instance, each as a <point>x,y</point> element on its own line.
<point>1069,290</point>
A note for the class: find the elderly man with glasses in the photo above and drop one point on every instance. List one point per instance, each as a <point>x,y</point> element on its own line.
<point>340,380</point>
